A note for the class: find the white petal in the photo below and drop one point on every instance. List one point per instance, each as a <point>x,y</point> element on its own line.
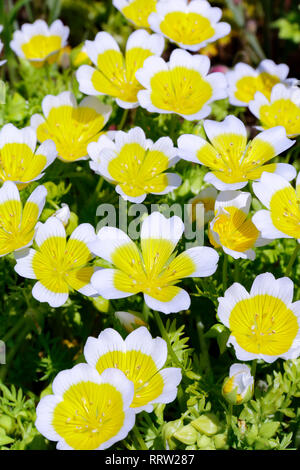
<point>54,299</point>
<point>103,282</point>
<point>263,222</point>
<point>180,302</point>
<point>159,227</point>
<point>232,296</point>
<point>51,228</point>
<point>205,259</point>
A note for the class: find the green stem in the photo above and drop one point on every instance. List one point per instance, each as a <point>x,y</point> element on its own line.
<point>124,119</point>
<point>229,419</point>
<point>224,272</point>
<point>15,328</point>
<point>292,260</point>
<point>203,346</point>
<point>13,351</point>
<point>139,438</point>
<point>99,185</point>
<point>236,270</point>
<point>165,336</point>
<point>253,368</point>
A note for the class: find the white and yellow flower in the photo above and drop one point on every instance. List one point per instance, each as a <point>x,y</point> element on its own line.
<point>17,223</point>
<point>155,270</point>
<point>20,161</point>
<point>87,411</point>
<point>71,127</point>
<point>136,11</point>
<point>191,25</point>
<point>264,324</point>
<point>60,266</point>
<point>135,164</point>
<point>244,81</point>
<point>282,219</point>
<point>114,74</point>
<point>206,198</point>
<point>40,43</point>
<point>234,162</point>
<point>180,86</point>
<point>231,228</point>
<point>238,387</point>
<point>281,109</point>
<point>141,358</point>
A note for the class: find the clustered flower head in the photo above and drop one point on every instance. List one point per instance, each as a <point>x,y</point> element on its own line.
<point>94,405</point>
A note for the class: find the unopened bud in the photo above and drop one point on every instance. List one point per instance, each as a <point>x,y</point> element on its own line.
<point>207,424</point>
<point>129,321</point>
<point>238,387</point>
<point>63,214</point>
<point>187,435</point>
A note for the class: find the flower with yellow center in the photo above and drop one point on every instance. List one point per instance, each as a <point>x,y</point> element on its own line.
<point>20,161</point>
<point>71,127</point>
<point>282,219</point>
<point>181,86</point>
<point>282,109</point>
<point>141,358</point>
<point>238,387</point>
<point>135,164</point>
<point>231,228</point>
<point>136,11</point>
<point>191,25</point>
<point>244,81</point>
<point>114,74</point>
<point>234,162</point>
<point>87,411</point>
<point>206,198</point>
<point>17,223</point>
<point>59,265</point>
<point>155,270</point>
<point>40,43</point>
<point>265,323</point>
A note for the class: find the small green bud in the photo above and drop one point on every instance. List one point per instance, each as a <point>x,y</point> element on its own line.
<point>220,441</point>
<point>170,428</point>
<point>187,435</point>
<point>207,424</point>
<point>238,387</point>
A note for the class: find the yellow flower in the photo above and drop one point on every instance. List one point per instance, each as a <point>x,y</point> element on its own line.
<point>141,358</point>
<point>282,219</point>
<point>40,43</point>
<point>114,74</point>
<point>135,164</point>
<point>234,162</point>
<point>282,109</point>
<point>180,86</point>
<point>71,127</point>
<point>231,229</point>
<point>136,11</point>
<point>87,411</point>
<point>191,25</point>
<point>265,323</point>
<point>17,224</point>
<point>155,270</point>
<point>19,161</point>
<point>59,265</point>
<point>244,81</point>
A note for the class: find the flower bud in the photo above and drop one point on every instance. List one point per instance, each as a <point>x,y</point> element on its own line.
<point>205,443</point>
<point>63,214</point>
<point>168,431</point>
<point>207,424</point>
<point>187,435</point>
<point>238,387</point>
<point>129,321</point>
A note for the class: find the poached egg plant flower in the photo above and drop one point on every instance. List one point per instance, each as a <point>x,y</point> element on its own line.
<point>87,411</point>
<point>264,323</point>
<point>231,160</point>
<point>281,109</point>
<point>181,86</point>
<point>114,74</point>
<point>191,25</point>
<point>282,217</point>
<point>135,164</point>
<point>17,223</point>
<point>71,127</point>
<point>40,43</point>
<point>244,81</point>
<point>231,228</point>
<point>136,11</point>
<point>20,161</point>
<point>58,265</point>
<point>141,358</point>
<point>155,270</point>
